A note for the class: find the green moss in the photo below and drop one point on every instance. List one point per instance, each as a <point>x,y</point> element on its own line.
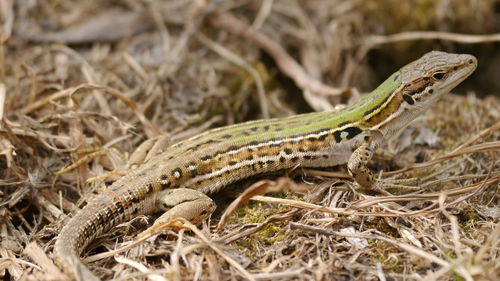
<point>457,277</point>
<point>381,225</point>
<point>258,212</point>
<point>405,15</point>
<point>381,251</point>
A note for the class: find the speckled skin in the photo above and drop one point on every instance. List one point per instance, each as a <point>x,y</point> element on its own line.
<point>216,158</point>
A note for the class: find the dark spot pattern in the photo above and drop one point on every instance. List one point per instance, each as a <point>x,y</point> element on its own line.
<point>344,123</point>
<point>408,99</point>
<point>421,89</point>
<point>100,219</point>
<point>177,171</point>
<point>322,137</point>
<point>119,206</point>
<point>337,136</point>
<point>206,157</point>
<point>232,148</point>
<point>351,132</point>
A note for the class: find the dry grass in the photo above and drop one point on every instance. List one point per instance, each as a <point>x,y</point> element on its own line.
<point>124,72</point>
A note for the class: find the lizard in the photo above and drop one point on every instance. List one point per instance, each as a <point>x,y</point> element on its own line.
<point>180,179</point>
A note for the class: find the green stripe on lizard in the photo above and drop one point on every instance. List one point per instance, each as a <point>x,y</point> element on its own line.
<point>179,179</point>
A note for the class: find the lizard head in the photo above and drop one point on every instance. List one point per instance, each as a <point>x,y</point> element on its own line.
<point>433,75</point>
<point>414,88</point>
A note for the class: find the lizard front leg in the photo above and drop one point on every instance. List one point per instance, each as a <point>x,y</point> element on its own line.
<point>357,164</point>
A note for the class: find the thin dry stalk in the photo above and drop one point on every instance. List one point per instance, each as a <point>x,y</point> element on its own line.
<point>285,62</point>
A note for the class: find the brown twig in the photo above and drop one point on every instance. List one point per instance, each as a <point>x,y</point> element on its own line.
<point>232,57</point>
<point>406,247</point>
<point>429,35</point>
<point>381,199</point>
<point>488,146</point>
<point>284,61</point>
<point>115,93</point>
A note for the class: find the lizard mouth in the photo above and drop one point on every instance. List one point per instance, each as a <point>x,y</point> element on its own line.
<point>463,70</point>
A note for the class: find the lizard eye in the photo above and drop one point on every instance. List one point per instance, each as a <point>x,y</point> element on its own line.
<point>438,75</point>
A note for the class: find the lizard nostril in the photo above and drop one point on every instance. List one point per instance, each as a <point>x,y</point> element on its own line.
<point>471,61</point>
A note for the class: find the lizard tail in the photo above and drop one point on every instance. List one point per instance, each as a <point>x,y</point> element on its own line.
<point>75,236</point>
<point>97,217</point>
<point>70,261</point>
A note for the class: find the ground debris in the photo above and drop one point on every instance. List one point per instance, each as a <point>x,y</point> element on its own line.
<point>84,83</point>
